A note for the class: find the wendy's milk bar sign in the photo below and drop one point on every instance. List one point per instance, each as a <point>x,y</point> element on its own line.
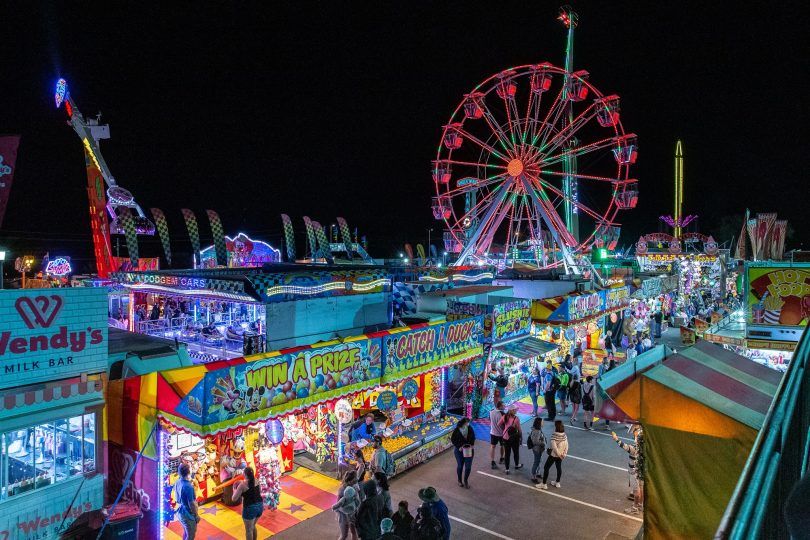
<point>51,334</point>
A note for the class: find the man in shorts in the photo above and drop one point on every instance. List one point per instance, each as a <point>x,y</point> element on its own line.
<point>496,432</point>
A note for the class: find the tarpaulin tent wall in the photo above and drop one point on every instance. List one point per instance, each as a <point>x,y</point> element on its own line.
<point>701,410</point>
<point>617,396</point>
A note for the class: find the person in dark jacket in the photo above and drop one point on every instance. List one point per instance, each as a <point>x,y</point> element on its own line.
<point>437,507</point>
<point>370,513</point>
<point>403,521</point>
<point>425,526</point>
<point>463,439</point>
<point>387,530</point>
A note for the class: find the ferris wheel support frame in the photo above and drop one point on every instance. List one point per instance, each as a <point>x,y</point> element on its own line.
<point>570,19</point>
<point>471,243</point>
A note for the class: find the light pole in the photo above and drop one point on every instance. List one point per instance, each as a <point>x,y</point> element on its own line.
<point>2,260</point>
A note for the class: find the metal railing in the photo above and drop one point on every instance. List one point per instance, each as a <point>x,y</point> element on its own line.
<point>778,459</point>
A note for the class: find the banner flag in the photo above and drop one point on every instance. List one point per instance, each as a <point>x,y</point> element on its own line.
<point>163,232</point>
<point>740,253</point>
<point>289,237</point>
<point>193,231</point>
<point>409,251</point>
<point>219,237</point>
<point>347,236</point>
<point>778,232</point>
<point>751,225</point>
<point>320,235</point>
<point>763,230</point>
<point>8,160</point>
<point>313,247</point>
<point>131,235</point>
<point>420,251</point>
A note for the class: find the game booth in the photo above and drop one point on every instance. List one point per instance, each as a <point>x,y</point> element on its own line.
<point>291,415</point>
<point>508,345</point>
<point>582,318</point>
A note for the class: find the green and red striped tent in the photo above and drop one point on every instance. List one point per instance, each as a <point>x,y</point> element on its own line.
<point>701,410</point>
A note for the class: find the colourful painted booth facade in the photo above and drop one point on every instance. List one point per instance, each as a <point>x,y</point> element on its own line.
<point>249,409</point>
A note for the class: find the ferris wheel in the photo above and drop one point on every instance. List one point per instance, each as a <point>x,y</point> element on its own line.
<point>533,167</point>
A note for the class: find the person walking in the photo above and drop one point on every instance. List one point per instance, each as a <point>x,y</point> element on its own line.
<point>575,395</point>
<point>550,382</point>
<point>512,436</point>
<point>557,453</point>
<point>252,505</point>
<point>438,508</point>
<point>403,521</point>
<point>345,510</point>
<point>495,432</point>
<point>187,511</point>
<point>562,391</point>
<point>534,388</point>
<point>370,512</point>
<point>588,392</point>
<point>426,526</point>
<point>536,442</point>
<point>463,440</point>
<point>362,465</point>
<point>381,460</point>
<point>383,490</point>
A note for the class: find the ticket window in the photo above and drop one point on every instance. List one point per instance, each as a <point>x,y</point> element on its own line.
<point>47,453</point>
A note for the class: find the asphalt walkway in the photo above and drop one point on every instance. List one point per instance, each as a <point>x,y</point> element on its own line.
<point>589,505</point>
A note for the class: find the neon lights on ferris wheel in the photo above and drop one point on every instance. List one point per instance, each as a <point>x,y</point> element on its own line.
<point>60,93</point>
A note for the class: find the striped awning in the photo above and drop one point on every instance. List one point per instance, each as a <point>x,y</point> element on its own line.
<point>50,392</point>
<point>721,380</point>
<point>527,348</point>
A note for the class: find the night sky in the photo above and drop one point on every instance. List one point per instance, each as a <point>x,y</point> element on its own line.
<point>336,109</point>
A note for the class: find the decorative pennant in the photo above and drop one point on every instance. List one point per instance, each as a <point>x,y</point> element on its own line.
<point>163,232</point>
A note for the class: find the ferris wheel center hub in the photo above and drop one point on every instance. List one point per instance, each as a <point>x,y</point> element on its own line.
<point>514,167</point>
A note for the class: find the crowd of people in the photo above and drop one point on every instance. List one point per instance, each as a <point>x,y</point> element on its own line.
<point>364,510</point>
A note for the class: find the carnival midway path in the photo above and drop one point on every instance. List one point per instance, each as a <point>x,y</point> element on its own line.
<point>589,505</point>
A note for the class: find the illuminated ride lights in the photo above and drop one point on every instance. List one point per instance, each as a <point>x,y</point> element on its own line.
<point>325,287</point>
<point>508,172</point>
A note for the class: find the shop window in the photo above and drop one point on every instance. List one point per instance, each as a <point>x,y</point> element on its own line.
<point>47,453</point>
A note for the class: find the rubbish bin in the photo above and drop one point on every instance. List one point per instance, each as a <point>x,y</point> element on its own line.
<point>123,522</point>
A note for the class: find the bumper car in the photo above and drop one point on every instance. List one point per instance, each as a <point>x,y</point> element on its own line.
<point>211,336</point>
<point>190,333</point>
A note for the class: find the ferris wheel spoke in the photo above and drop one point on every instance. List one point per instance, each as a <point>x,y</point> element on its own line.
<point>550,216</point>
<point>578,176</point>
<point>479,185</point>
<point>493,125</point>
<point>467,135</point>
<point>473,212</point>
<point>545,125</point>
<point>573,201</point>
<point>499,195</point>
<point>495,223</point>
<point>474,164</point>
<point>552,118</point>
<point>570,129</point>
<point>580,151</point>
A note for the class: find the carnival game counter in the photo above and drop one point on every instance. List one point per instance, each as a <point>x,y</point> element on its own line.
<point>416,440</point>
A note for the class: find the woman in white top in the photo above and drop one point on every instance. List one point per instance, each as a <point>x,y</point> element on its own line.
<point>556,453</point>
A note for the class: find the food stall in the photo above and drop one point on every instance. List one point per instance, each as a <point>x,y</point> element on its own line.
<point>508,346</point>
<point>581,318</point>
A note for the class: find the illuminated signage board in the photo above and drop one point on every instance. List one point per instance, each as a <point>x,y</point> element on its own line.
<point>50,334</point>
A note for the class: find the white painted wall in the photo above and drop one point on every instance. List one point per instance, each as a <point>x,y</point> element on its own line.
<point>305,322</point>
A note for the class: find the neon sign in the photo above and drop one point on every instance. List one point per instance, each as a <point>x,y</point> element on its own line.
<point>58,267</point>
<point>61,92</point>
